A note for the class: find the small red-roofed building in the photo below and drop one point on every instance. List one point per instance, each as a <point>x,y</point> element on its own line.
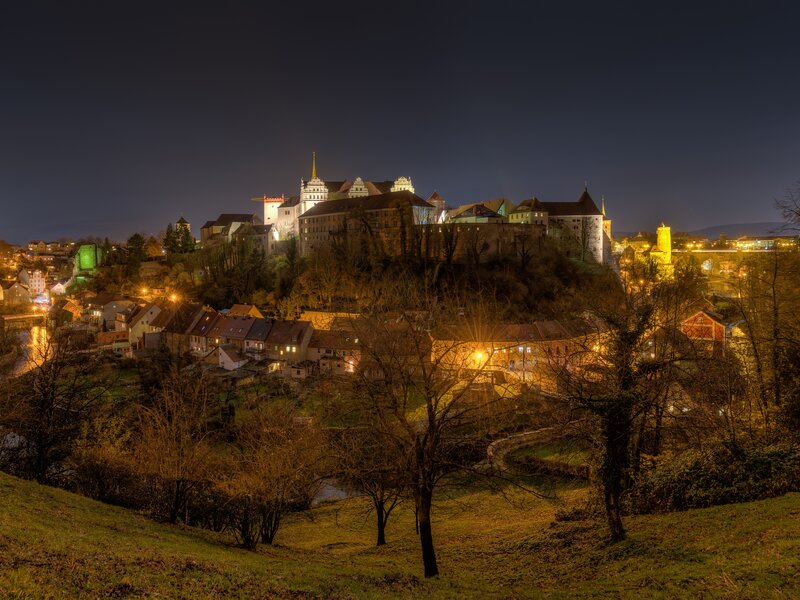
<point>704,326</point>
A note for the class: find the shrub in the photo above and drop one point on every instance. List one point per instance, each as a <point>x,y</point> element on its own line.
<point>717,475</point>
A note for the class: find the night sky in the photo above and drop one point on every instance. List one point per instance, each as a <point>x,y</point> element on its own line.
<point>121,116</point>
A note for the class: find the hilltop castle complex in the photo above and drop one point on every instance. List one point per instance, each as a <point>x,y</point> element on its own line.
<point>389,210</point>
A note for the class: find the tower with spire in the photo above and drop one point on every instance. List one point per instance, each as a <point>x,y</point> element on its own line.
<point>606,220</point>
<point>313,191</point>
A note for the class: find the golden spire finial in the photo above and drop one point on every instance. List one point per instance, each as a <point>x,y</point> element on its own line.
<point>603,205</point>
<point>313,165</point>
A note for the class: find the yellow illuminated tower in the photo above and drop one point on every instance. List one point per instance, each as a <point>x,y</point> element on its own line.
<point>664,243</point>
<point>663,250</point>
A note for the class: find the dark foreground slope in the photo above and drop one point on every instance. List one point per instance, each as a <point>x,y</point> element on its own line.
<point>56,544</point>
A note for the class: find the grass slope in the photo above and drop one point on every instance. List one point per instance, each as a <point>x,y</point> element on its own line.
<point>55,544</point>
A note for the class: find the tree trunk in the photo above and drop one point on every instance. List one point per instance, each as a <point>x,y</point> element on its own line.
<point>615,465</point>
<point>614,516</point>
<point>176,502</point>
<point>425,534</point>
<point>776,337</point>
<point>247,528</point>
<point>381,522</point>
<point>270,522</point>
<point>41,461</point>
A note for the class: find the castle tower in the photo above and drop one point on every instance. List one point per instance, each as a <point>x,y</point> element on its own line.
<point>182,224</point>
<point>271,204</point>
<point>606,220</point>
<point>313,191</point>
<point>664,243</point>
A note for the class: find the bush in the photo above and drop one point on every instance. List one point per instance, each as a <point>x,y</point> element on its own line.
<point>718,475</point>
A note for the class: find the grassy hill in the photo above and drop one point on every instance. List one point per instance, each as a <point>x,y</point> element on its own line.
<point>56,544</point>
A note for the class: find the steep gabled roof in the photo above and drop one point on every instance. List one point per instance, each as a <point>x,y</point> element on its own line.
<point>290,202</point>
<point>493,205</point>
<point>474,210</point>
<point>435,197</point>
<point>218,326</point>
<point>379,202</point>
<point>244,310</point>
<point>585,206</point>
<point>236,327</point>
<point>232,353</point>
<point>181,318</point>
<point>333,340</point>
<point>139,315</point>
<point>714,316</point>
<point>525,205</point>
<point>287,332</point>
<point>379,187</point>
<point>205,323</point>
<point>259,331</point>
<point>227,219</point>
<point>104,298</point>
<point>338,190</point>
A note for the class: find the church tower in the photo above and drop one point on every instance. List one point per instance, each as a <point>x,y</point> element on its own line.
<point>313,191</point>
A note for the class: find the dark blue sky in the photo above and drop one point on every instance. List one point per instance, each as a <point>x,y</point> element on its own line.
<point>118,117</point>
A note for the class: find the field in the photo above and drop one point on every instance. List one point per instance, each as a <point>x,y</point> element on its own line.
<point>56,544</point>
<point>564,451</point>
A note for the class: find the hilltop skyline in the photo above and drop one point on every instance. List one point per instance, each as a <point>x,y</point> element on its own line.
<point>119,119</point>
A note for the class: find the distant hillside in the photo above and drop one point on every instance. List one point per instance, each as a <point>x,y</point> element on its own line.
<point>59,545</point>
<point>732,231</point>
<point>739,229</point>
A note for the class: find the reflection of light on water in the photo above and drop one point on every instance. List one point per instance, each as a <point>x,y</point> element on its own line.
<point>34,349</point>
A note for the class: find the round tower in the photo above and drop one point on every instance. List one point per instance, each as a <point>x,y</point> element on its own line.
<point>664,243</point>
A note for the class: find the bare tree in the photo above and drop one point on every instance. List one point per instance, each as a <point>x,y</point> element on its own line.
<point>45,409</point>
<point>175,443</point>
<point>789,206</point>
<point>615,381</point>
<point>420,393</point>
<point>767,303</point>
<point>365,464</point>
<point>275,467</point>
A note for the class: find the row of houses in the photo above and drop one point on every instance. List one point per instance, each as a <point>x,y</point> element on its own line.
<point>242,335</point>
<point>329,342</point>
<point>31,285</point>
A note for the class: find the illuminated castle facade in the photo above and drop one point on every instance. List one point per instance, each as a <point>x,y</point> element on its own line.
<point>285,212</point>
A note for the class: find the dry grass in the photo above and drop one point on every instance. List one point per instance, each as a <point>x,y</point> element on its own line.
<point>54,544</point>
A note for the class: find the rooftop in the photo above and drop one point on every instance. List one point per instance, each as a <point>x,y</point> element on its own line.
<point>379,202</point>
